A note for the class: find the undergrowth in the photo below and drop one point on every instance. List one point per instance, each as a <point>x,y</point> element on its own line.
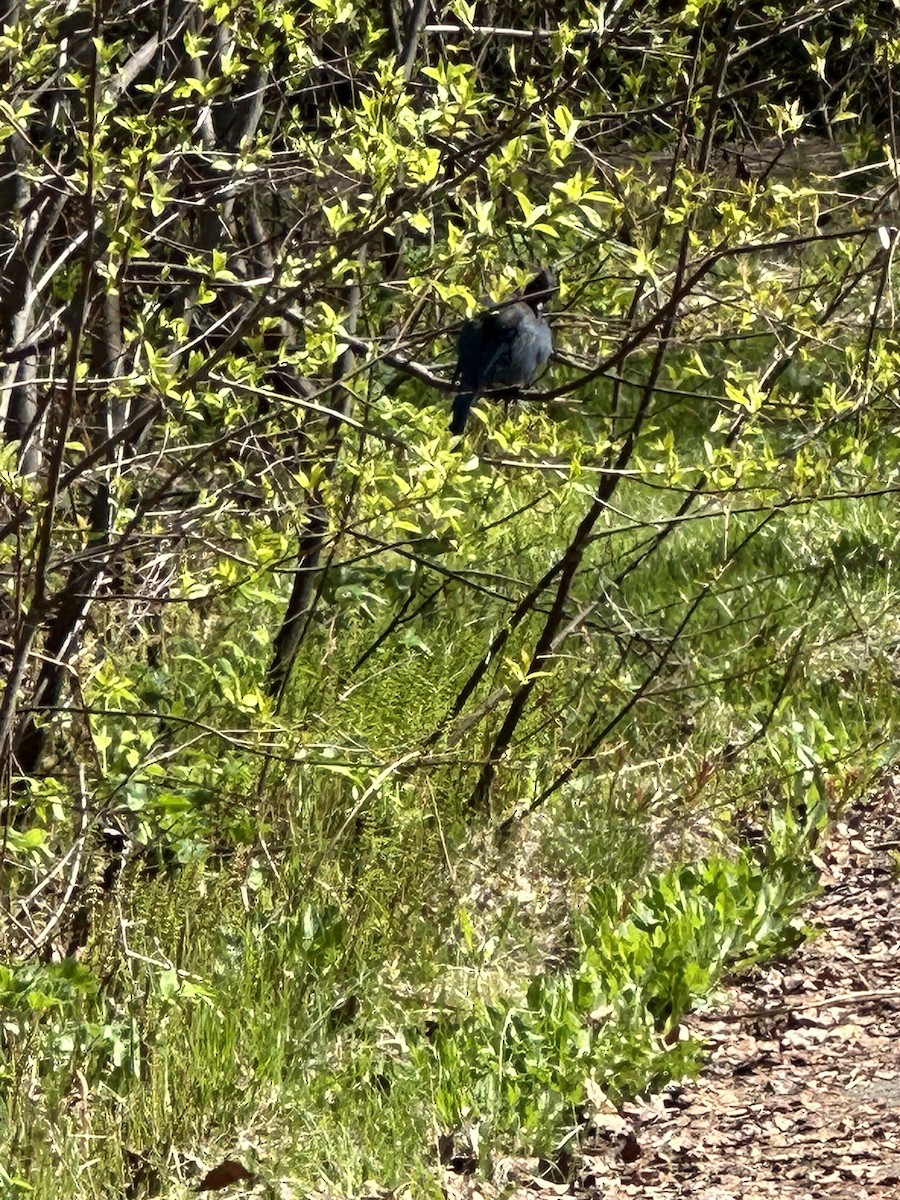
<point>280,1035</point>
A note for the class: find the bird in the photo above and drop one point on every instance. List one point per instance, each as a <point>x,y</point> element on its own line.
<point>503,347</point>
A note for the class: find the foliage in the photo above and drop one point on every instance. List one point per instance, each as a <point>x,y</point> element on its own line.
<point>523,1064</point>
<point>293,679</point>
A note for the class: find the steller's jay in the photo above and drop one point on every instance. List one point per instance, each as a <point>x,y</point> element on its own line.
<point>503,347</point>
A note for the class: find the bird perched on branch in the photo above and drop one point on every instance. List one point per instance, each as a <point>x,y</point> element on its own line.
<point>503,347</point>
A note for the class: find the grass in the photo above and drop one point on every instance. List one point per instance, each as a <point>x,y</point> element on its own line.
<point>326,977</point>
<point>279,1033</point>
<point>295,935</point>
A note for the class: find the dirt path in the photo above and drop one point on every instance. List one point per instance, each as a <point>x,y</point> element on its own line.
<point>801,1097</point>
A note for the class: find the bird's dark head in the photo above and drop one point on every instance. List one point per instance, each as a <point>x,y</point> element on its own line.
<point>541,288</point>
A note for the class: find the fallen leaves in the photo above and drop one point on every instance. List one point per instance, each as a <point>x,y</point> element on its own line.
<point>229,1171</point>
<point>799,1096</point>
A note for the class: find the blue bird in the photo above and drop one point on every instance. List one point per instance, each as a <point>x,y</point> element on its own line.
<point>505,347</point>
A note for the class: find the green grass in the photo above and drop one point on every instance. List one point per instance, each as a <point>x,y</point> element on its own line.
<point>280,1033</point>
<point>297,934</point>
<point>324,974</point>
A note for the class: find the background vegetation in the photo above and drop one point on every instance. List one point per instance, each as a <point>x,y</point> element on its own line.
<point>376,801</point>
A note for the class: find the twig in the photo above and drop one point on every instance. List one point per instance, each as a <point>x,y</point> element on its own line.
<point>825,1002</point>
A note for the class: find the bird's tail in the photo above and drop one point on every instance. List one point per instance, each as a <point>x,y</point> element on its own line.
<point>461,406</point>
